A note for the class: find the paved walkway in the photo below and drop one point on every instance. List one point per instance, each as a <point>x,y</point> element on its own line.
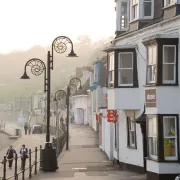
<point>84,160</point>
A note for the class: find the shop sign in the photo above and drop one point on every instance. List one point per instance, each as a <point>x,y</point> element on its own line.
<point>112,116</point>
<point>150,96</point>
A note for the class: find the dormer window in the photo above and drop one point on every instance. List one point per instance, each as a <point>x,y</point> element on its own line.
<point>124,15</point>
<point>135,9</point>
<point>142,9</point>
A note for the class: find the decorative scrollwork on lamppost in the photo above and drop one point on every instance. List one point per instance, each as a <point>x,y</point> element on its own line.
<point>59,44</point>
<point>74,85</point>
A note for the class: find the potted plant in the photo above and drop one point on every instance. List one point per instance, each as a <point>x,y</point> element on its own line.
<point>168,147</point>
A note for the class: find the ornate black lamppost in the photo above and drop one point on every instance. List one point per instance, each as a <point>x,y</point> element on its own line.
<point>74,85</point>
<point>49,160</point>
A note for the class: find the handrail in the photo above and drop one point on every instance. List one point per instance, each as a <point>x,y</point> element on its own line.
<point>58,143</point>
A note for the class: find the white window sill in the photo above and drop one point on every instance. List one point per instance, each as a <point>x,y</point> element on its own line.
<point>134,20</point>
<point>147,17</point>
<point>174,158</point>
<point>169,5</point>
<point>124,85</point>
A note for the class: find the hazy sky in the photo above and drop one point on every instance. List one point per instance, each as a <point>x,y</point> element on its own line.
<point>24,23</point>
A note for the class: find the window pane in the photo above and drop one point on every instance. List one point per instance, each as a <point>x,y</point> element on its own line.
<point>169,54</point>
<point>152,126</point>
<point>126,76</point>
<point>168,72</point>
<point>123,18</point>
<point>169,126</point>
<point>170,134</point>
<point>152,146</point>
<point>147,8</point>
<point>126,60</point>
<point>151,73</point>
<point>132,138</point>
<point>169,147</point>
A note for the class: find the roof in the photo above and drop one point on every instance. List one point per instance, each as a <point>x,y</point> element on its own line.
<point>126,46</point>
<point>84,89</point>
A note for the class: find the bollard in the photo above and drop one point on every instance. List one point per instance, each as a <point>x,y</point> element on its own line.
<point>35,169</point>
<point>4,168</point>
<point>15,168</point>
<point>177,178</point>
<point>40,155</point>
<point>30,166</point>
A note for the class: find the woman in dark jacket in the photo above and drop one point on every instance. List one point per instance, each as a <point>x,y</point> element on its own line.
<point>10,155</point>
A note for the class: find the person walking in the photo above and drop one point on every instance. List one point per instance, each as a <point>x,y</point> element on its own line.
<point>10,155</point>
<point>25,128</point>
<point>24,156</point>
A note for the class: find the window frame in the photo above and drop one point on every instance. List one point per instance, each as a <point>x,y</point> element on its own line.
<point>160,140</point>
<point>126,18</point>
<point>133,6</point>
<point>175,158</point>
<point>175,64</point>
<point>129,123</point>
<point>154,157</point>
<point>152,9</point>
<point>155,65</point>
<point>111,69</point>
<point>119,69</point>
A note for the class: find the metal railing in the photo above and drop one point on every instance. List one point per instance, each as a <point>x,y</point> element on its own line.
<point>21,174</point>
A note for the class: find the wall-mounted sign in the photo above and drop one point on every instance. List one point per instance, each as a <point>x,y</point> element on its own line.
<point>112,116</point>
<point>150,96</point>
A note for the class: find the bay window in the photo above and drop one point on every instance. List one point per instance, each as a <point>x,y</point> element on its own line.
<point>151,67</point>
<point>163,137</point>
<point>162,61</point>
<point>111,70</point>
<point>169,64</point>
<point>152,136</point>
<point>131,130</point>
<point>125,69</point>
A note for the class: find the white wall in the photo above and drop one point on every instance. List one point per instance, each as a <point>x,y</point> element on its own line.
<point>107,135</point>
<point>126,155</point>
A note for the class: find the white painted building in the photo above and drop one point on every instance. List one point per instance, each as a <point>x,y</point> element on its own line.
<point>143,86</point>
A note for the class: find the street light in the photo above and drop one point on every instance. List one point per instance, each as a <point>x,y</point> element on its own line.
<point>59,44</point>
<point>72,86</point>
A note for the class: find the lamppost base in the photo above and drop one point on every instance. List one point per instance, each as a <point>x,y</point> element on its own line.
<point>48,158</point>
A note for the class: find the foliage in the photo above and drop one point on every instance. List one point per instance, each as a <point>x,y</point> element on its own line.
<point>12,67</point>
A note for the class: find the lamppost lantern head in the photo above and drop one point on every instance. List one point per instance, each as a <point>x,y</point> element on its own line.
<point>25,76</point>
<point>72,54</point>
